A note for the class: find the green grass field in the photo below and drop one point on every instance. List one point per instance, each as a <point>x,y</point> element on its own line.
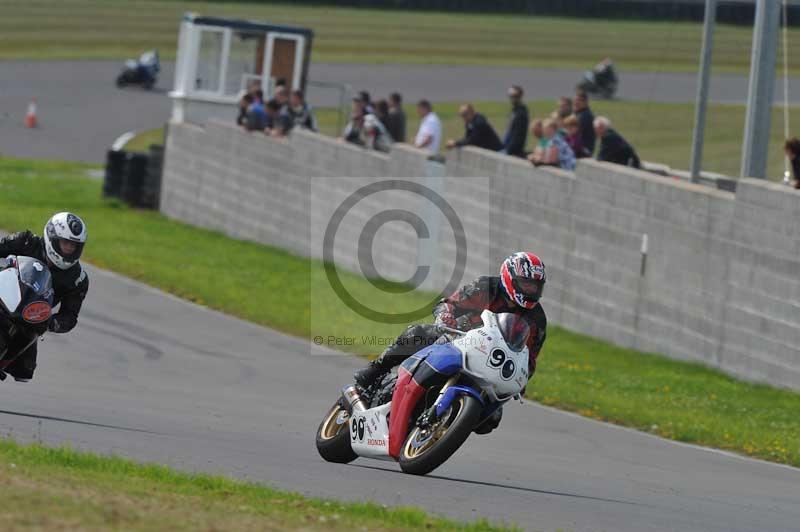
<point>91,29</point>
<point>61,489</point>
<point>673,399</point>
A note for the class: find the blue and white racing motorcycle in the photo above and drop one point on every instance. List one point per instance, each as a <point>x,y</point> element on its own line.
<point>421,416</point>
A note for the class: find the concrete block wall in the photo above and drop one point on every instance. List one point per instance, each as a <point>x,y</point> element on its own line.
<point>720,283</point>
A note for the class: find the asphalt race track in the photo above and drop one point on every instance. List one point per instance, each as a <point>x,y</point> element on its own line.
<point>151,377</point>
<point>81,111</point>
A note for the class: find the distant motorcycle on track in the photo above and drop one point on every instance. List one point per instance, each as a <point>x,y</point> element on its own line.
<point>602,80</point>
<point>143,72</point>
<point>423,414</point>
<point>26,305</point>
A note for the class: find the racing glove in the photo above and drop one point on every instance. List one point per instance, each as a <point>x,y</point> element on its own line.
<point>447,319</point>
<point>54,326</point>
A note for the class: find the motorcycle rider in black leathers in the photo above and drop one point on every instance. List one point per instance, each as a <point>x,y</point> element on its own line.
<point>60,248</point>
<point>517,290</point>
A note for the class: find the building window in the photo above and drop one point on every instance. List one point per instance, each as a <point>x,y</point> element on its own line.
<point>245,62</point>
<point>209,61</point>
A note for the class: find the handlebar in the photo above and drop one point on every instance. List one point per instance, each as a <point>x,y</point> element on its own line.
<point>445,329</point>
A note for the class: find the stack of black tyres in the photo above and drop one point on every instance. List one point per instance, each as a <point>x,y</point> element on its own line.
<point>134,177</point>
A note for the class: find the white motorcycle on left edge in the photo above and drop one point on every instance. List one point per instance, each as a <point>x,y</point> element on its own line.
<point>26,305</point>
<point>423,414</point>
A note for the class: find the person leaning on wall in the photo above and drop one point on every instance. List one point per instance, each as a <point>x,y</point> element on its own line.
<point>792,150</point>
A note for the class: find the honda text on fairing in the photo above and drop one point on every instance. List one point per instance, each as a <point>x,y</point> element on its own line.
<point>26,306</point>
<point>423,414</point>
<point>143,72</point>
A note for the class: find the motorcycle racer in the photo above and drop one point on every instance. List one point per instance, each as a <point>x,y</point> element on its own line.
<point>60,247</point>
<point>516,290</point>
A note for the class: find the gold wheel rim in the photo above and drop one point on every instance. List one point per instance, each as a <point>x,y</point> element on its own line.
<point>334,422</point>
<point>420,441</point>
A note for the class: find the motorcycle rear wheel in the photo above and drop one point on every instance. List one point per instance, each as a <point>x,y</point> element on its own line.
<point>426,449</point>
<point>333,436</point>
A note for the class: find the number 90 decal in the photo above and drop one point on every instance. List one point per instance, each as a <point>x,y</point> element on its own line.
<point>498,360</point>
<point>357,428</point>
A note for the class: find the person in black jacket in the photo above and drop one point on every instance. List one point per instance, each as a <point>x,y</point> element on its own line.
<point>586,119</point>
<point>395,121</point>
<point>792,150</point>
<point>613,147</point>
<point>517,131</point>
<point>60,247</point>
<point>478,131</point>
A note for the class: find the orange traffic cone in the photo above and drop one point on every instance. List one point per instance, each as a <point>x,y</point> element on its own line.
<point>30,117</point>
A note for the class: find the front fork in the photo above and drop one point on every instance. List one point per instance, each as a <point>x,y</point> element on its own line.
<point>431,414</point>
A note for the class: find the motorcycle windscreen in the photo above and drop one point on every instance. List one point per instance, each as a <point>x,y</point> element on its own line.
<point>515,330</point>
<point>10,295</point>
<point>35,275</point>
<point>148,58</point>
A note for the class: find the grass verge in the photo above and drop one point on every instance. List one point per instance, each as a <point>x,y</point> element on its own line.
<point>678,400</point>
<point>142,140</point>
<point>87,29</point>
<point>87,492</point>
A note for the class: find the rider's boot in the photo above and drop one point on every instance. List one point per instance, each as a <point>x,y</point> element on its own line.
<point>409,342</point>
<point>490,423</point>
<point>374,371</point>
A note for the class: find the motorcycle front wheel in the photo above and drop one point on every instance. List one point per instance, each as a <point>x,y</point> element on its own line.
<point>427,448</point>
<point>333,436</point>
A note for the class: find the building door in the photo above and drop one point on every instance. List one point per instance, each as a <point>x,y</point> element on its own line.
<point>285,58</point>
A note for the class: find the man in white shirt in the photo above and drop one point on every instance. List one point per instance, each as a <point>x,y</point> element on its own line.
<point>429,135</point>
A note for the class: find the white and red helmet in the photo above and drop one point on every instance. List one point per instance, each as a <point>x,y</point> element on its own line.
<point>522,277</point>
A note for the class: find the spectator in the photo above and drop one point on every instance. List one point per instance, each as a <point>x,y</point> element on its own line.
<point>586,119</point>
<point>792,150</point>
<point>364,98</point>
<point>613,147</point>
<point>301,113</point>
<point>429,135</point>
<point>354,129</point>
<point>555,117</point>
<point>564,108</point>
<point>282,96</point>
<point>382,111</point>
<point>573,127</point>
<point>556,152</point>
<point>244,104</point>
<point>478,131</point>
<point>539,142</point>
<point>517,131</point>
<point>256,119</point>
<point>279,122</point>
<point>396,120</point>
<point>376,135</point>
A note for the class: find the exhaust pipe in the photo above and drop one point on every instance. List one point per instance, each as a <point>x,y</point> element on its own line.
<point>353,398</point>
